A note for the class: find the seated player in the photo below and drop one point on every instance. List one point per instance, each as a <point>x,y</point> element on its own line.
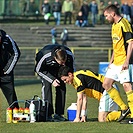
<point>89,84</point>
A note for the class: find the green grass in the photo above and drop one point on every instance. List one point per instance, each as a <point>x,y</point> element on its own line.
<point>25,92</point>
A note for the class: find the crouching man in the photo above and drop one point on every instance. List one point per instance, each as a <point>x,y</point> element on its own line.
<point>89,84</point>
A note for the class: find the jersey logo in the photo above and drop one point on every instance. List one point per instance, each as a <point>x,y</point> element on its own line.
<point>115,38</point>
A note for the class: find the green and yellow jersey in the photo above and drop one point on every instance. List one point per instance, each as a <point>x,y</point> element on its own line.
<point>89,82</point>
<point>121,34</point>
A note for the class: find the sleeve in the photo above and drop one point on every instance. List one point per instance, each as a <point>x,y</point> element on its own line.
<point>49,9</point>
<point>80,89</point>
<point>53,8</point>
<point>127,32</point>
<point>60,7</point>
<point>14,52</point>
<point>78,84</point>
<point>121,9</point>
<point>97,9</point>
<point>41,68</point>
<point>63,7</point>
<point>71,6</point>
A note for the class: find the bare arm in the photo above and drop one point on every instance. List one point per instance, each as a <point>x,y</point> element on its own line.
<point>79,106</point>
<point>112,59</point>
<point>129,52</point>
<point>84,108</point>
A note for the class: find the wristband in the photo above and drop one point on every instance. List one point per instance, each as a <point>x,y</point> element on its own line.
<point>83,113</point>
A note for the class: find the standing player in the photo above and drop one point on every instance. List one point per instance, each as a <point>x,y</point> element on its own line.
<point>89,84</point>
<point>119,68</point>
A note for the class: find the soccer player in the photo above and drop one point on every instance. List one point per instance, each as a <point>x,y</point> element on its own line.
<point>89,84</point>
<point>119,68</point>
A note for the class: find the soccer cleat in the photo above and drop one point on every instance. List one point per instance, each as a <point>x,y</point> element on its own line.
<point>131,121</point>
<point>124,113</point>
<point>59,118</point>
<point>127,121</point>
<point>50,119</point>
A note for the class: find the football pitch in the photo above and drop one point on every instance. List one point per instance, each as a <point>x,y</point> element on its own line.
<point>25,92</point>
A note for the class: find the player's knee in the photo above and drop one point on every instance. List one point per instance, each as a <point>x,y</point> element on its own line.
<point>106,86</point>
<point>101,119</point>
<point>127,86</point>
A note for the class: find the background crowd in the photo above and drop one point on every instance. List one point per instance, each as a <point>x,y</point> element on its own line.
<point>89,13</point>
<point>79,12</point>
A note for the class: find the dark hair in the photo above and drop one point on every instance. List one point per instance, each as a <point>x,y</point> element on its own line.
<point>64,70</point>
<point>61,54</point>
<point>113,8</point>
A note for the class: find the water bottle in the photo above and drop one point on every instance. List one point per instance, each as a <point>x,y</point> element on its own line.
<point>32,112</point>
<point>9,115</point>
<point>15,115</point>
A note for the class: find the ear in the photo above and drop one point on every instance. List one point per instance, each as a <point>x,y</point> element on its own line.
<point>112,14</point>
<point>70,74</point>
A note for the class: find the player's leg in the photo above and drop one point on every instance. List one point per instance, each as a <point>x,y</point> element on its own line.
<point>125,79</point>
<point>108,109</point>
<point>60,102</point>
<point>113,93</point>
<point>110,77</point>
<point>7,87</point>
<point>84,109</point>
<point>47,95</point>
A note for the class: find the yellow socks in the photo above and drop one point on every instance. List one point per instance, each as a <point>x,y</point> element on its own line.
<point>130,101</point>
<point>114,94</point>
<point>113,116</point>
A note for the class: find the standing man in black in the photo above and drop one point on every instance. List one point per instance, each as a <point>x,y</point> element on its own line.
<point>46,10</point>
<point>9,55</point>
<point>49,59</point>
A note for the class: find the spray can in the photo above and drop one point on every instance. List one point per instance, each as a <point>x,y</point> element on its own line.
<point>9,115</point>
<point>26,111</point>
<point>15,117</point>
<point>32,112</point>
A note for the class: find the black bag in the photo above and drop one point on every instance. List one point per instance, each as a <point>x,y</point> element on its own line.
<point>41,108</point>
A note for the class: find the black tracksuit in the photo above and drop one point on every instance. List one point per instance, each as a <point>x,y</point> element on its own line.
<point>9,55</point>
<point>47,68</point>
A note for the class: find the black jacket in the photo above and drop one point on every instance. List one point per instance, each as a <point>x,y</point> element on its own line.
<point>46,8</point>
<point>46,66</point>
<point>57,7</point>
<point>9,54</point>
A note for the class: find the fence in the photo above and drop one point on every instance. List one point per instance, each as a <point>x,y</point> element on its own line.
<point>85,58</point>
<point>28,7</point>
<point>20,7</point>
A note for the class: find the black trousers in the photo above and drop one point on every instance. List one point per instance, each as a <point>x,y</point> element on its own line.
<point>59,98</point>
<point>7,87</point>
<point>68,15</point>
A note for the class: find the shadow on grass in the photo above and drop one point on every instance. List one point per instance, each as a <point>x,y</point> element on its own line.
<point>92,120</point>
<point>19,82</point>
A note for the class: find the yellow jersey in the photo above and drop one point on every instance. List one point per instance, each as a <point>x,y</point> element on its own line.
<point>121,34</point>
<point>89,82</point>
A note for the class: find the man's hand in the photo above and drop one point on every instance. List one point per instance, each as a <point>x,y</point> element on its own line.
<point>76,120</point>
<point>125,66</point>
<point>56,83</point>
<point>83,119</point>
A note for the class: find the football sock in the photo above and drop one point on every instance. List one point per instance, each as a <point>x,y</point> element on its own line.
<point>113,116</point>
<point>114,94</point>
<point>130,101</point>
